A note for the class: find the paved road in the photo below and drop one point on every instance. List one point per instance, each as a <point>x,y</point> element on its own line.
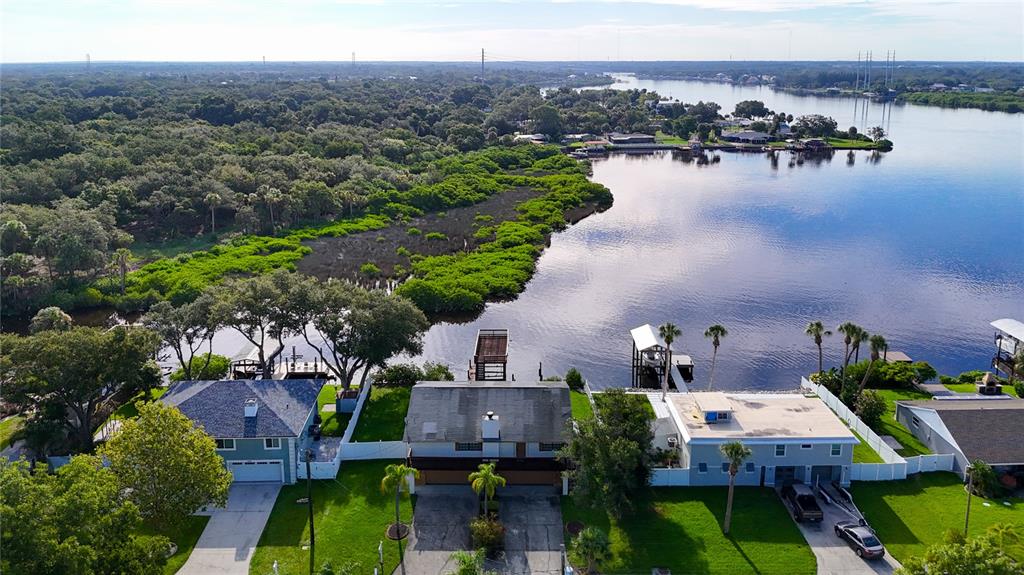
<point>227,543</point>
<point>533,531</point>
<point>834,556</point>
<point>440,526</point>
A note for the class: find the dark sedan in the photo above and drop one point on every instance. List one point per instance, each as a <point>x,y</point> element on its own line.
<point>861,538</point>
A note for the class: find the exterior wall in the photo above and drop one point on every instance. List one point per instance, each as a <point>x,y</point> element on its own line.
<point>764,456</point>
<point>253,449</point>
<point>504,449</point>
<point>933,439</point>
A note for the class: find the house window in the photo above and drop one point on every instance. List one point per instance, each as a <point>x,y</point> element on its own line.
<point>226,444</point>
<point>750,467</point>
<point>551,446</point>
<point>780,451</point>
<point>702,468</point>
<point>272,443</point>
<point>837,450</point>
<point>469,447</point>
<point>725,468</point>
<point>805,446</point>
<point>723,415</point>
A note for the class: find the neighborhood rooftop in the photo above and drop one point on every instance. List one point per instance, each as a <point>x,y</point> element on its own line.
<point>453,410</point>
<point>759,416</point>
<point>282,405</point>
<point>976,425</point>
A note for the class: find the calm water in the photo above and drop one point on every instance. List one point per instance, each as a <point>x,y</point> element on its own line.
<point>924,245</point>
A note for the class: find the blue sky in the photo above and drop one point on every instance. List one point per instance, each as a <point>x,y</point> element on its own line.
<point>228,30</point>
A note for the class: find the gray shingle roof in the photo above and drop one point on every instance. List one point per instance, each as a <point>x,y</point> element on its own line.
<point>452,410</point>
<point>984,429</point>
<point>219,406</point>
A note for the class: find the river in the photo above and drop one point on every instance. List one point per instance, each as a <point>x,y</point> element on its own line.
<point>924,245</point>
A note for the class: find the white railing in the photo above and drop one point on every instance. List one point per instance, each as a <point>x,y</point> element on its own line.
<point>895,466</point>
<point>670,476</point>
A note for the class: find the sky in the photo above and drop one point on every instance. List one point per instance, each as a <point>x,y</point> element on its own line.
<point>331,30</point>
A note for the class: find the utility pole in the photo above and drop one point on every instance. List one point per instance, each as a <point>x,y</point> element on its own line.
<point>856,84</point>
<point>481,62</point>
<point>309,503</point>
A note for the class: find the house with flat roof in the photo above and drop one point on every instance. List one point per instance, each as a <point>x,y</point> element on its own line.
<point>453,426</point>
<point>989,429</point>
<point>625,139</point>
<point>794,438</point>
<point>262,427</point>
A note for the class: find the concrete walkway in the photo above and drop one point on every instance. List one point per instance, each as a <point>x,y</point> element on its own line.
<point>227,543</point>
<point>833,554</point>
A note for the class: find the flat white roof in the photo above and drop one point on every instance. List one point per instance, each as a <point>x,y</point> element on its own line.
<point>1010,327</point>
<point>713,401</point>
<point>646,337</point>
<point>759,418</point>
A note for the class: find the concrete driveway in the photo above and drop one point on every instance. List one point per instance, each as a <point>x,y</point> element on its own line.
<point>227,543</point>
<point>533,531</point>
<point>440,526</point>
<point>834,555</point>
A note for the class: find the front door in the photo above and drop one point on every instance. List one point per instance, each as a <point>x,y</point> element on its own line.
<point>785,474</point>
<point>520,450</point>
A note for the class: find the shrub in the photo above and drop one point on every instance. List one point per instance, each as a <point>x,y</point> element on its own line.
<point>1018,386</point>
<point>487,534</point>
<point>870,407</point>
<point>984,480</point>
<point>369,269</point>
<point>403,251</point>
<point>484,233</point>
<point>414,231</point>
<point>398,375</point>
<point>216,369</point>
<point>380,239</point>
<point>436,236</point>
<point>437,372</point>
<point>591,548</point>
<point>574,379</point>
<point>483,218</point>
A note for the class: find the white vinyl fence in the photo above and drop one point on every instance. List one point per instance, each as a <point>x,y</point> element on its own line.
<point>895,466</point>
<point>670,477</point>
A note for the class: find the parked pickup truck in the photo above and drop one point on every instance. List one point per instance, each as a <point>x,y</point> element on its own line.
<point>802,502</point>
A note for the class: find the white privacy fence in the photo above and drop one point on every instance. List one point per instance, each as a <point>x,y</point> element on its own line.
<point>374,450</point>
<point>670,477</point>
<point>895,466</point>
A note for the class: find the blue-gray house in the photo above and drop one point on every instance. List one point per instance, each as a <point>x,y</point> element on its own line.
<point>260,425</point>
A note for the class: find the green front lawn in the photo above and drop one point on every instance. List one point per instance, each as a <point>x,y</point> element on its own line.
<point>130,411</point>
<point>912,514</point>
<point>663,138</point>
<point>680,528</point>
<point>185,536</point>
<point>350,515</point>
<point>581,408</point>
<point>332,423</point>
<point>911,445</point>
<point>9,428</point>
<point>863,453</point>
<point>383,416</point>
<point>972,388</point>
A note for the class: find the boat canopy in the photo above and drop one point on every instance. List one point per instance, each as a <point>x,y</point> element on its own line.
<point>646,338</point>
<point>1010,327</point>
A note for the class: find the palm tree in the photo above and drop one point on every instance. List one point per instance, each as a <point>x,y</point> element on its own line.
<point>592,547</point>
<point>394,476</point>
<point>972,469</point>
<point>816,330</point>
<point>121,258</point>
<point>878,345</point>
<point>736,453</point>
<point>213,200</point>
<point>668,332</point>
<point>859,336</point>
<point>485,480</point>
<point>716,333</point>
<point>847,329</point>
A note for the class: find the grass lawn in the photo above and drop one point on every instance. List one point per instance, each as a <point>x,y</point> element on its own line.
<point>383,417</point>
<point>972,388</point>
<point>185,537</point>
<point>863,453</point>
<point>681,529</point>
<point>350,514</point>
<point>843,143</point>
<point>663,138</point>
<point>912,514</point>
<point>600,399</point>
<point>130,411</point>
<point>911,445</point>
<point>13,424</point>
<point>581,408</point>
<point>334,423</point>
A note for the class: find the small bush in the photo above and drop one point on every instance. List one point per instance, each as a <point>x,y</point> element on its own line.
<point>574,379</point>
<point>217,368</point>
<point>487,534</point>
<point>591,548</point>
<point>484,233</point>
<point>403,251</point>
<point>369,269</point>
<point>870,407</point>
<point>414,231</point>
<point>482,218</point>
<point>984,481</point>
<point>380,239</point>
<point>436,236</point>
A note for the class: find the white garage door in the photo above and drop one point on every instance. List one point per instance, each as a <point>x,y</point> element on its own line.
<point>254,471</point>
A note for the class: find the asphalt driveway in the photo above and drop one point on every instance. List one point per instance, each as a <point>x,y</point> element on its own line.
<point>834,556</point>
<point>227,543</point>
<point>533,531</point>
<point>440,526</point>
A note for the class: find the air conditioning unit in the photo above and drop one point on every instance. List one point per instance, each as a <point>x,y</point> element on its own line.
<point>673,442</point>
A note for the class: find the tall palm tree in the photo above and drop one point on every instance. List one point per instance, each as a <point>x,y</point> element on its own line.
<point>736,453</point>
<point>816,330</point>
<point>213,200</point>
<point>716,333</point>
<point>394,476</point>
<point>121,258</point>
<point>859,336</point>
<point>878,345</point>
<point>668,332</point>
<point>847,329</point>
<point>485,480</point>
<point>973,469</point>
